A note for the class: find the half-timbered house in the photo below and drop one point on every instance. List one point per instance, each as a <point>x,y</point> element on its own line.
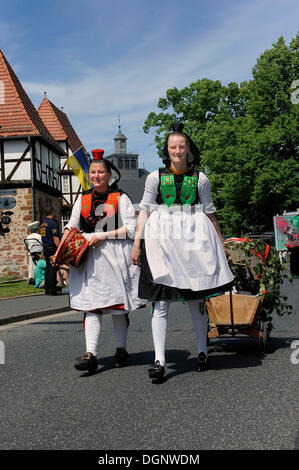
<point>29,168</point>
<point>63,132</point>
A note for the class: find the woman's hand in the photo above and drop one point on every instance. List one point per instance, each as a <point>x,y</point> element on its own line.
<point>135,255</point>
<point>58,244</point>
<point>53,259</point>
<point>97,239</point>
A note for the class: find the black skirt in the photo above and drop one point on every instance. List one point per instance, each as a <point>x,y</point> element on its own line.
<point>147,289</point>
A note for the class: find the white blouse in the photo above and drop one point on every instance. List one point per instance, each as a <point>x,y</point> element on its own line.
<point>149,203</point>
<point>125,209</point>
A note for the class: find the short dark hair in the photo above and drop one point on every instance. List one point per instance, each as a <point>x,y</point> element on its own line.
<point>50,210</point>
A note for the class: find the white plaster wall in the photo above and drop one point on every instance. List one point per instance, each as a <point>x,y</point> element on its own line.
<point>15,149</point>
<point>22,173</point>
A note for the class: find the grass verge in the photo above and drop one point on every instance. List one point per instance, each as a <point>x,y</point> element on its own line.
<point>16,288</point>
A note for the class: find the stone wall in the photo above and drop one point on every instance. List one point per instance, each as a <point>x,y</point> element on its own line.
<point>13,253</point>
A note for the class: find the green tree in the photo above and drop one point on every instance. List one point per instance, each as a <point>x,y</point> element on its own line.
<point>248,138</point>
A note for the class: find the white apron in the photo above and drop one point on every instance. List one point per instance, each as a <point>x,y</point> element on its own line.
<point>184,250</point>
<point>107,277</point>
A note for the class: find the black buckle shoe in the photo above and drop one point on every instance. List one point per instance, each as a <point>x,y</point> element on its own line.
<point>87,362</point>
<point>157,371</point>
<point>121,357</point>
<point>202,362</point>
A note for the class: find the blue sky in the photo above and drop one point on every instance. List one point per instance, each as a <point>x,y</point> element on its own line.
<point>102,59</point>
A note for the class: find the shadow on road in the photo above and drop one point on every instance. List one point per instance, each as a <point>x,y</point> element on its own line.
<point>78,322</point>
<point>248,345</point>
<point>228,353</point>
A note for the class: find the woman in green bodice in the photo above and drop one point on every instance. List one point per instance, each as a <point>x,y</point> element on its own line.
<point>178,245</point>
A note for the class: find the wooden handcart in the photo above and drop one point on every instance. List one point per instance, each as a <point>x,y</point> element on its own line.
<point>236,313</point>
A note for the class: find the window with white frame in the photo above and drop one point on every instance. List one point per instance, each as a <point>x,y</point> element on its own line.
<point>65,217</point>
<point>65,184</point>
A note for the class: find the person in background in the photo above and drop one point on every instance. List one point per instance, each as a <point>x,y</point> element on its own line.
<point>40,271</point>
<point>63,277</point>
<point>33,242</point>
<point>49,231</point>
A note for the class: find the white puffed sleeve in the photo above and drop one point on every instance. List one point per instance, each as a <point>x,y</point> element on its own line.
<point>148,202</point>
<point>204,193</point>
<point>127,213</point>
<point>75,217</point>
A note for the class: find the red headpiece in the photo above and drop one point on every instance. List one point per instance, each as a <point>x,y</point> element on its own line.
<point>97,154</point>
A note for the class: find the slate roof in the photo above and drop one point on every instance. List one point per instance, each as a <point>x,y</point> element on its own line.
<point>18,116</point>
<point>58,124</point>
<point>134,188</point>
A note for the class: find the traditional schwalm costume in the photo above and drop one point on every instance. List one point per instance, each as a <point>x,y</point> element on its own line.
<point>107,281</point>
<point>182,257</point>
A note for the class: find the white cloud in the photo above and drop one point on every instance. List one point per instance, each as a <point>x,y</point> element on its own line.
<point>132,84</point>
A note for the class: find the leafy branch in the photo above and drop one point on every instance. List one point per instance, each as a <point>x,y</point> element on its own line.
<point>262,274</point>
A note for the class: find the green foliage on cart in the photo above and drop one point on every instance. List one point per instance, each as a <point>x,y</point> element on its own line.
<point>259,271</point>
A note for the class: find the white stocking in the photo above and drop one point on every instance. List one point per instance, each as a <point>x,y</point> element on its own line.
<point>200,324</point>
<point>93,326</point>
<point>120,327</point>
<point>159,329</point>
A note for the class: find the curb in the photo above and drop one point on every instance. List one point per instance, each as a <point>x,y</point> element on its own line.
<point>20,296</point>
<point>35,314</point>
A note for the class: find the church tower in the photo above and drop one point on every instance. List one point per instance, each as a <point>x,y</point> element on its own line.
<point>127,163</point>
<point>120,142</point>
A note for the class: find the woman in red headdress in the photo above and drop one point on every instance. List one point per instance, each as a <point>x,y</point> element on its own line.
<point>107,281</point>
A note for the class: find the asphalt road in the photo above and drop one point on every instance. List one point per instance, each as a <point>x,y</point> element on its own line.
<point>246,400</point>
<point>30,306</point>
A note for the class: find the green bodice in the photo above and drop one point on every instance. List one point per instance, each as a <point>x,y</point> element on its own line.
<point>181,189</point>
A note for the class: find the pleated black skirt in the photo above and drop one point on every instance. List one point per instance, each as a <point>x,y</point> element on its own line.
<point>148,290</point>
